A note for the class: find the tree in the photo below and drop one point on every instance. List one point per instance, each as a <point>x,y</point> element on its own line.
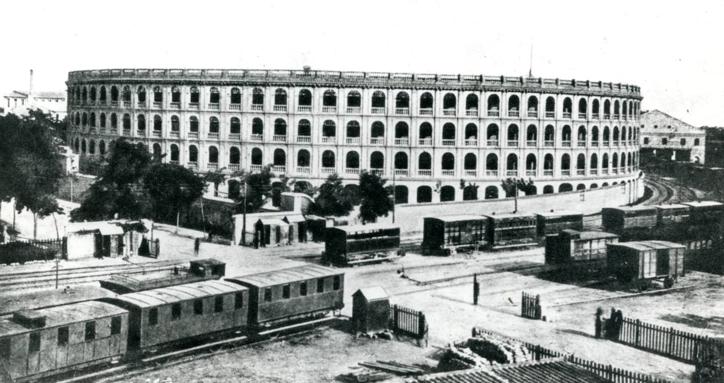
<point>256,187</point>
<point>172,188</point>
<point>216,178</point>
<point>333,198</point>
<point>512,185</point>
<point>375,197</point>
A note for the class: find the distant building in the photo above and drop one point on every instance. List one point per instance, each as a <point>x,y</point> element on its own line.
<point>53,103</point>
<point>664,136</point>
<point>714,146</point>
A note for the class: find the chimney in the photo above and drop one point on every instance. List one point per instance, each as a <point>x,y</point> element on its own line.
<point>30,90</point>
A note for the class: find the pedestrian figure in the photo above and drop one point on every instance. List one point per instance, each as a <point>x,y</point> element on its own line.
<point>157,248</point>
<point>476,289</point>
<point>599,313</point>
<point>197,244</point>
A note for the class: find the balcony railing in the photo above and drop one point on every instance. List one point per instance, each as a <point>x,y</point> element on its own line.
<point>193,165</point>
<point>304,170</point>
<point>157,104</point>
<point>471,142</point>
<point>257,107</point>
<point>235,136</point>
<point>280,108</point>
<point>402,111</point>
<point>402,172</point>
<point>141,132</point>
<point>471,172</point>
<point>378,171</point>
<point>127,104</point>
<point>141,104</point>
<point>533,113</point>
<point>175,162</point>
<point>377,110</point>
<point>530,172</point>
<point>448,172</point>
<point>614,171</point>
<point>581,143</point>
<point>156,133</point>
<point>351,170</point>
<point>593,172</point>
<point>193,105</point>
<point>329,139</point>
<point>279,169</point>
<point>328,170</point>
<point>548,173</point>
<point>550,114</point>
<point>595,116</point>
<point>511,173</point>
<point>353,140</point>
<point>581,172</point>
<point>594,143</point>
<point>513,113</point>
<point>256,137</point>
<point>402,141</point>
<point>471,113</point>
<point>304,108</point>
<point>425,141</point>
<point>354,109</point>
<point>513,143</point>
<point>426,111</point>
<point>377,140</point>
<point>234,106</point>
<point>567,114</point>
<point>126,132</point>
<point>448,142</point>
<point>255,168</point>
<point>531,143</point>
<point>566,172</point>
<point>606,143</point>
<point>566,143</point>
<point>604,171</point>
<point>329,109</point>
<point>114,103</point>
<point>212,166</point>
<point>449,112</point>
<point>234,167</point>
<point>424,172</point>
<point>114,131</point>
<point>279,138</point>
<point>493,113</point>
<point>491,173</point>
<point>582,116</point>
<point>615,116</point>
<point>213,135</point>
<point>606,116</point>
<point>549,143</point>
<point>304,139</point>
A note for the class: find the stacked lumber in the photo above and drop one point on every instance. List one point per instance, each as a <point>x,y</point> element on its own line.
<point>394,367</point>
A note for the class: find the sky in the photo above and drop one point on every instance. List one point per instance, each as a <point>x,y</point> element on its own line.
<point>672,50</point>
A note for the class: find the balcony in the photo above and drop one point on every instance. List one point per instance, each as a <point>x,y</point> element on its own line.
<point>449,112</point>
<point>156,133</point>
<point>328,170</point>
<point>353,140</point>
<point>513,143</point>
<point>550,114</point>
<point>213,135</point>
<point>329,109</point>
<point>493,113</point>
<point>304,139</point>
<point>471,142</point>
<point>175,105</point>
<point>402,172</point>
<point>471,113</point>
<point>174,162</point>
<point>114,103</point>
<point>448,172</point>
<point>378,171</point>
<point>513,113</point>
<point>140,132</point>
<point>549,143</point>
<point>491,173</point>
<point>424,172</point>
<point>471,172</point>
<point>615,116</point>
<point>566,114</point>
<point>531,143</point>
<point>235,136</point>
<point>377,140</point>
<point>582,116</point>
<point>255,168</point>
<point>329,139</point>
<point>279,138</point>
<point>402,141</point>
<point>566,143</point>
<point>530,172</point>
<point>548,173</point>
<point>280,108</point>
<point>256,137</point>
<point>159,104</point>
<point>193,165</point>
<point>581,143</point>
<point>402,111</point>
<point>604,171</point>
<point>234,167</point>
<point>606,116</point>
<point>425,141</point>
<point>511,173</point>
<point>606,143</point>
<point>566,172</point>
<point>114,130</point>
<point>126,132</point>
<point>377,110</point>
<point>594,143</point>
<point>127,104</point>
<point>595,116</point>
<point>304,108</point>
<point>141,104</point>
<point>282,169</point>
<point>257,107</point>
<point>304,170</point>
<point>426,111</point>
<point>614,171</point>
<point>492,142</point>
<point>448,142</point>
<point>533,113</point>
<point>193,105</point>
<point>593,172</point>
<point>351,171</point>
<point>212,166</point>
<point>354,110</point>
<point>581,172</point>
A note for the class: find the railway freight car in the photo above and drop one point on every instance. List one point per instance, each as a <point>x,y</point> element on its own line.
<point>198,270</point>
<point>672,214</point>
<point>292,294</point>
<point>511,230</point>
<point>620,219</point>
<point>643,261</point>
<point>448,234</point>
<point>49,341</point>
<point>359,244</point>
<point>705,212</point>
<point>554,221</point>
<point>571,246</point>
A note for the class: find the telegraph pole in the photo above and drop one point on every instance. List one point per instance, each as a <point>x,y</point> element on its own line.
<point>243,225</point>
<point>394,195</point>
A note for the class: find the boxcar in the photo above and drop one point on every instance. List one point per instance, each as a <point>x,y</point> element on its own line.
<point>509,230</point>
<point>646,260</point>
<point>672,214</point>
<point>199,270</point>
<point>570,246</point>
<point>181,313</point>
<point>445,235</point>
<point>619,219</point>
<point>350,245</point>
<point>48,341</point>
<point>554,221</point>
<point>705,212</point>
<point>293,293</point>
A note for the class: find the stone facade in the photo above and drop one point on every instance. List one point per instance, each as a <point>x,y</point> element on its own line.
<point>666,135</point>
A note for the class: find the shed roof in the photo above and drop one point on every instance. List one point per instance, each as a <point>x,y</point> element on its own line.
<point>667,244</point>
<point>174,294</point>
<point>702,203</point>
<point>374,293</point>
<point>293,218</point>
<point>588,235</point>
<point>632,208</point>
<point>559,213</point>
<point>104,227</point>
<point>364,228</point>
<point>553,370</point>
<point>638,246</point>
<point>284,276</point>
<point>272,222</point>
<point>509,215</point>
<point>459,217</point>
<point>672,206</point>
<point>63,315</point>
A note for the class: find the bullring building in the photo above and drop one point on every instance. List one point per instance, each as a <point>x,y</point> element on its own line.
<point>426,131</point>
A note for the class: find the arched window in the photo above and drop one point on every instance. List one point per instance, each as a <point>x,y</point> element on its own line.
<point>492,135</point>
<point>234,156</point>
<point>616,109</point>
<point>513,106</point>
<point>141,123</point>
<point>280,158</point>
<point>447,193</point>
<point>303,158</point>
<point>194,95</point>
<point>427,104</point>
<point>607,109</point>
<point>549,136</point>
<point>304,131</point>
<point>141,95</point>
<point>114,94</point>
<point>157,152</point>
<point>213,155</point>
<point>93,120</point>
<point>567,107</point>
<point>305,100</point>
<point>548,189</point>
<point>548,165</point>
<point>353,131</point>
<point>354,101</point>
<point>257,127</point>
<point>402,102</point>
<point>102,147</point>
<point>491,192</point>
<point>566,135</point>
<point>513,135</point>
<point>328,159</point>
<point>512,165</point>
<point>614,161</point>
<point>471,134</point>
<point>493,105</point>
<point>594,164</point>
<point>401,194</point>
<point>402,132</point>
<point>84,97</point>
<point>280,97</point>
<point>77,145</point>
<point>114,121</point>
<point>214,125</point>
<point>606,136</point>
<point>531,135</point>
<point>604,163</point>
<point>470,193</point>
<point>377,161</point>
<point>93,94</point>
<point>530,164</point>
<point>696,142</point>
<point>595,109</point>
<point>193,154</point>
<point>424,194</point>
<point>425,133</point>
<point>615,135</point>
<point>329,130</point>
<point>623,134</point>
<point>448,161</point>
<point>532,106</point>
<point>566,164</point>
<point>378,129</point>
<point>85,119</point>
<point>126,122</point>
<point>158,94</point>
<point>582,108</point>
<point>625,109</point>
<point>280,129</point>
<point>92,147</point>
<point>401,161</point>
<point>550,107</point>
<point>257,99</point>
<point>157,123</point>
<point>256,156</point>
<point>176,94</point>
<point>424,162</point>
<point>581,137</point>
<point>581,164</point>
<point>448,134</point>
<point>235,125</point>
<point>491,165</point>
<point>102,95</point>
<point>193,124</point>
<point>594,136</point>
<point>102,120</point>
<point>471,104</point>
<point>83,146</point>
<point>378,102</point>
<point>352,160</point>
<point>126,94</point>
<point>449,104</point>
<point>329,99</point>
<point>470,162</point>
<point>565,188</point>
<point>580,187</point>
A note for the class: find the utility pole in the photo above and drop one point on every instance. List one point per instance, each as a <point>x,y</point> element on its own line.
<point>57,269</point>
<point>515,194</point>
<point>394,195</point>
<point>243,225</point>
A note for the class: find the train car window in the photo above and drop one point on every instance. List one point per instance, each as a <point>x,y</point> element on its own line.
<point>90,331</point>
<point>63,336</point>
<point>238,301</point>
<point>267,294</point>
<point>320,285</point>
<point>303,289</point>
<point>175,311</point>
<point>286,291</point>
<point>34,345</point>
<point>198,307</point>
<point>115,325</point>
<point>5,348</point>
<point>153,317</point>
<point>337,282</point>
<point>219,304</point>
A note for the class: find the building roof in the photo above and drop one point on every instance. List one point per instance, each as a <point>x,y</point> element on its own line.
<point>459,217</point>
<point>104,227</point>
<point>292,218</point>
<point>633,208</point>
<point>702,203</point>
<point>49,95</point>
<point>509,215</point>
<point>665,244</point>
<point>588,235</point>
<point>272,222</point>
<point>548,371</point>
<point>638,246</point>
<point>63,315</point>
<point>676,124</point>
<point>364,228</point>
<point>374,293</point>
<point>672,206</point>
<point>284,276</point>
<point>16,94</point>
<point>180,293</point>
<point>559,213</point>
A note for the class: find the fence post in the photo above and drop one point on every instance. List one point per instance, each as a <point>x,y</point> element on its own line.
<point>638,332</point>
<point>538,308</point>
<point>395,317</point>
<point>671,341</point>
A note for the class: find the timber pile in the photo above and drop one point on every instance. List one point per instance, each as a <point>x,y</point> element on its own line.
<point>381,370</point>
<point>483,351</point>
<point>394,367</point>
<point>364,376</point>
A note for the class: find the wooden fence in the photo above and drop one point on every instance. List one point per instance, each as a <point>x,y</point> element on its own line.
<point>606,371</point>
<point>530,306</point>
<point>408,322</point>
<point>21,251</point>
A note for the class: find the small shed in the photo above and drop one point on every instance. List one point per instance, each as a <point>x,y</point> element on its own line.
<point>317,226</point>
<point>271,232</point>
<point>298,229</point>
<point>95,239</point>
<point>371,309</point>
